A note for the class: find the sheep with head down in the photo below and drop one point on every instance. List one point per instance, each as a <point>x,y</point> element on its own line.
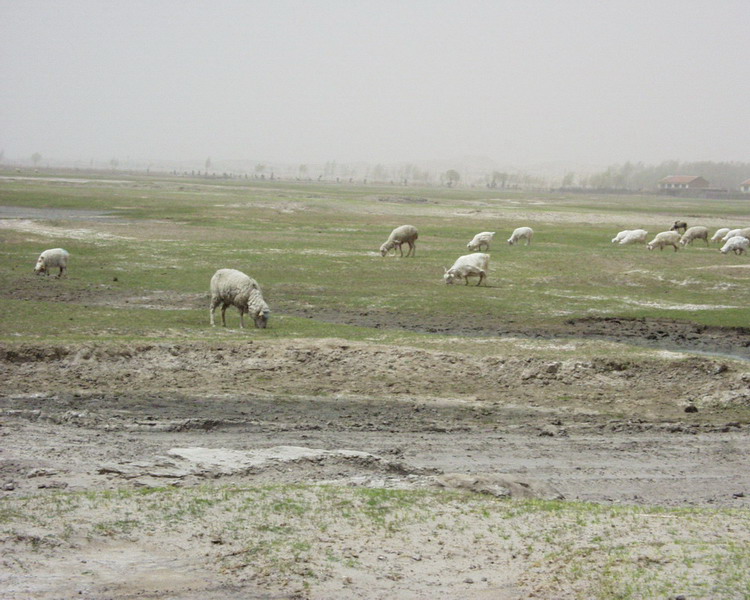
<point>737,244</point>
<point>697,232</point>
<point>469,265</point>
<point>521,233</point>
<point>54,258</point>
<point>230,287</point>
<point>635,236</point>
<point>481,239</point>
<point>405,234</point>
<point>720,233</point>
<point>665,238</point>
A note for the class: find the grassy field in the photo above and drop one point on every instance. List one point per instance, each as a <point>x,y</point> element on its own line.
<point>314,247</point>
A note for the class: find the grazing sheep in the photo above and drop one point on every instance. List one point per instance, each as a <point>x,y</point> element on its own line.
<point>52,259</point>
<point>521,233</point>
<point>737,244</point>
<point>620,236</point>
<point>680,226</point>
<point>720,233</point>
<point>731,233</point>
<point>636,236</point>
<point>698,232</point>
<point>665,238</point>
<point>469,265</point>
<point>406,234</point>
<point>230,287</point>
<point>481,239</point>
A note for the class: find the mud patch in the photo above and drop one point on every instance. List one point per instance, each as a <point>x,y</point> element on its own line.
<point>667,334</point>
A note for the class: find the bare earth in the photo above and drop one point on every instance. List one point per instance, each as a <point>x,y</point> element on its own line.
<point>81,417</point>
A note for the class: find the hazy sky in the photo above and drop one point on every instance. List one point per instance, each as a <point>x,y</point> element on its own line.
<point>519,81</point>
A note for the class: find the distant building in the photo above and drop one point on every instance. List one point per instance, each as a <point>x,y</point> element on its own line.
<point>745,186</point>
<point>683,182</point>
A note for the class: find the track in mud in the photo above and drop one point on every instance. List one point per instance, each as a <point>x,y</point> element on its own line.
<point>599,430</point>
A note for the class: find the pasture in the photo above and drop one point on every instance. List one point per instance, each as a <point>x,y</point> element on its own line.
<point>615,375</point>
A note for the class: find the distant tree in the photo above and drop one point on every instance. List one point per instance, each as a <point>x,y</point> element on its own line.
<point>259,169</point>
<point>35,158</point>
<point>303,171</point>
<point>452,177</point>
<point>379,173</point>
<point>2,155</point>
<point>568,179</point>
<point>499,178</point>
<point>114,163</point>
<point>208,163</point>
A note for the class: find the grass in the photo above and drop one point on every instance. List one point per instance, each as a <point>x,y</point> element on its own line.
<point>313,534</point>
<point>315,247</point>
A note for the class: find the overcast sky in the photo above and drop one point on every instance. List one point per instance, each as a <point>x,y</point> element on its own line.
<point>520,82</point>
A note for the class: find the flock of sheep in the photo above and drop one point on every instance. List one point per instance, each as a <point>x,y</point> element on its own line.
<point>230,287</point>
<point>734,240</point>
<point>470,265</point>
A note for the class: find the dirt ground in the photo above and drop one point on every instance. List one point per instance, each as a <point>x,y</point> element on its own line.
<point>88,416</point>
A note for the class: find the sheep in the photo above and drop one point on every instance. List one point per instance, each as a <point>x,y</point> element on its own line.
<point>698,232</point>
<point>230,287</point>
<point>720,233</point>
<point>737,244</point>
<point>665,238</point>
<point>732,232</point>
<point>406,234</point>
<point>469,265</point>
<point>620,236</point>
<point>521,233</point>
<point>636,236</point>
<point>680,226</point>
<point>481,239</point>
<point>51,259</point>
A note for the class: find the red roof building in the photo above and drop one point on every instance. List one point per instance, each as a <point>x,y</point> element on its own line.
<point>682,182</point>
<point>745,186</point>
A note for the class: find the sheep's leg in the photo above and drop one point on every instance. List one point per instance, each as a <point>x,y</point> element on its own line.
<point>214,304</point>
<point>224,315</point>
<point>481,277</point>
<point>400,249</point>
<point>242,319</point>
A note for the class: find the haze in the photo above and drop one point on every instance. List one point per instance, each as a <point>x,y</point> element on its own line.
<point>517,82</point>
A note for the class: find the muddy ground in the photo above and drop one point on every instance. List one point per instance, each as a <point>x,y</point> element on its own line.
<point>598,430</point>
<point>75,417</point>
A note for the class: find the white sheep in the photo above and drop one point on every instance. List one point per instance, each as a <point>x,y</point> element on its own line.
<point>230,287</point>
<point>730,234</point>
<point>720,233</point>
<point>737,244</point>
<point>52,259</point>
<point>620,236</point>
<point>521,233</point>
<point>636,236</point>
<point>481,239</point>
<point>665,238</point>
<point>697,232</point>
<point>469,265</point>
<point>406,234</point>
